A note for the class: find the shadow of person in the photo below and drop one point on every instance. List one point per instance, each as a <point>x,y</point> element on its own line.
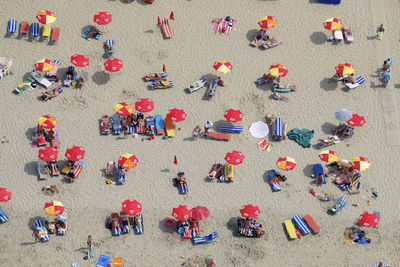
<point>318,38</point>
<point>328,85</point>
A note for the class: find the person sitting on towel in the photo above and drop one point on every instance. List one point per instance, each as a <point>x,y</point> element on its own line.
<point>362,238</point>
<point>339,129</point>
<point>53,167</point>
<point>351,79</point>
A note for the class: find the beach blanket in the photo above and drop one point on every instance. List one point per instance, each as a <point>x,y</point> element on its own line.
<point>302,137</point>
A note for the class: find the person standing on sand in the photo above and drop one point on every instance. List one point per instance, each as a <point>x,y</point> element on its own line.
<point>89,246</point>
<point>36,235</point>
<point>379,32</point>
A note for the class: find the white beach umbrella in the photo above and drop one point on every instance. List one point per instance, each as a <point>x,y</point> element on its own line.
<point>259,129</point>
<point>343,114</point>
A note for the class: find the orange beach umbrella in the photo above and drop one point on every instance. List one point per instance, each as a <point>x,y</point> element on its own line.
<point>47,122</point>
<point>123,109</point>
<point>128,161</point>
<point>267,22</point>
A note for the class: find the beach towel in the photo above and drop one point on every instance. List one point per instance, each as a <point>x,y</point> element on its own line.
<point>3,216</point>
<point>103,261</point>
<point>302,137</point>
<point>301,224</point>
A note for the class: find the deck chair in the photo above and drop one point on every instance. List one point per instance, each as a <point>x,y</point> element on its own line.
<point>24,28</point>
<point>103,261</point>
<point>139,230</point>
<point>274,181</point>
<point>230,128</point>
<point>43,174</point>
<point>66,169</point>
<point>338,36</point>
<point>12,26</point>
<point>39,79</point>
<point>278,129</point>
<point>55,34</point>
<point>150,122</point>
<point>43,234</point>
<point>38,140</point>
<point>318,169</point>
<point>117,262</point>
<point>290,229</point>
<point>205,239</point>
<point>120,178</point>
<point>34,30</point>
<point>311,223</point>
<point>3,216</point>
<point>116,124</point>
<point>301,224</point>
<point>46,31</point>
<point>218,136</point>
<point>159,124</point>
<point>360,80</point>
<point>76,171</point>
<point>125,225</point>
<point>169,127</point>
<point>108,43</point>
<point>56,141</point>
<point>166,29</point>
<point>342,199</point>
<point>115,230</point>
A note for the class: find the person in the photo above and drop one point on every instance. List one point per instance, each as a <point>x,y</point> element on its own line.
<point>122,172</point>
<point>196,132</point>
<point>138,220</point>
<point>319,179</point>
<point>89,244</point>
<point>195,227</point>
<point>80,83</point>
<point>35,234</point>
<point>260,231</point>
<point>50,135</point>
<point>386,65</point>
<point>49,188</point>
<point>61,226</point>
<point>379,31</point>
<point>351,78</point>
<point>249,223</point>
<point>362,238</point>
<point>71,163</point>
<point>207,126</point>
<point>93,32</point>
<point>339,129</point>
<point>124,217</point>
<point>54,168</point>
<point>125,130</point>
<point>69,73</point>
<point>353,234</point>
<point>330,140</point>
<point>50,94</point>
<point>386,77</point>
<point>182,181</point>
<point>338,205</point>
<point>277,96</point>
<point>52,227</point>
<point>348,131</point>
<point>220,81</point>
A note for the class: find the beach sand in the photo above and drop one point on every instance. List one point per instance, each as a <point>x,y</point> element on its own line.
<point>188,56</point>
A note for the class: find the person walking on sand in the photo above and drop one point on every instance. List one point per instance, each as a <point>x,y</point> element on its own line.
<point>379,32</point>
<point>89,246</point>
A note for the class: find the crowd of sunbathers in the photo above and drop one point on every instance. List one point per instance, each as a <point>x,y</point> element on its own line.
<point>43,135</point>
<point>115,222</point>
<point>343,173</point>
<point>188,229</point>
<point>340,132</point>
<point>250,227</point>
<point>358,236</point>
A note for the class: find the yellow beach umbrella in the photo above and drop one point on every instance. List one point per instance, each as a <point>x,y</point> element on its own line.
<point>328,156</point>
<point>332,24</point>
<point>223,66</point>
<point>44,65</point>
<point>278,70</point>
<point>123,109</point>
<point>46,17</point>
<point>47,122</point>
<point>344,69</point>
<point>128,161</point>
<point>267,22</point>
<point>360,163</point>
<point>54,208</point>
<point>286,163</point>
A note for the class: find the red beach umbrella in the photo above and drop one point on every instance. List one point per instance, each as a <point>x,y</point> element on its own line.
<point>48,153</point>
<point>144,105</point>
<point>75,153</point>
<point>200,213</point>
<point>131,207</point>
<point>357,120</point>
<point>123,109</point>
<point>54,208</point>
<point>368,219</point>
<point>250,211</point>
<point>113,65</point>
<point>176,114</point>
<point>5,195</point>
<point>46,17</point>
<point>80,60</point>
<point>278,70</point>
<point>102,18</point>
<point>128,161</point>
<point>233,115</point>
<point>286,163</point>
<point>181,213</point>
<point>234,157</point>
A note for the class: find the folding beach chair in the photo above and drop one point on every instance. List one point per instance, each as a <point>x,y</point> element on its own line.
<point>41,170</point>
<point>46,31</point>
<point>139,230</point>
<point>120,178</point>
<point>24,29</point>
<point>205,239</point>
<point>311,223</point>
<point>342,200</point>
<point>230,128</point>
<point>35,29</point>
<point>278,129</point>
<point>12,26</point>
<point>218,136</point>
<point>290,229</point>
<point>301,224</point>
<point>166,29</point>
<point>116,124</point>
<point>150,122</point>
<point>76,171</point>
<point>3,216</point>
<point>125,225</point>
<point>110,43</point>
<point>169,127</point>
<point>115,230</point>
<point>117,262</point>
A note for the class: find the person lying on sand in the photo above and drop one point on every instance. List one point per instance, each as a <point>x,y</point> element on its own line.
<point>277,96</point>
<point>50,94</point>
<point>50,188</point>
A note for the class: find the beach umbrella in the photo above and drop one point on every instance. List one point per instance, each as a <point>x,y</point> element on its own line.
<point>75,153</point>
<point>181,213</point>
<point>102,18</point>
<point>259,129</point>
<point>278,70</point>
<point>250,211</point>
<point>47,122</point>
<point>360,163</point>
<point>5,195</point>
<point>131,207</point>
<point>48,153</point>
<point>46,17</point>
<point>176,114</point>
<point>144,105</point>
<point>54,208</point>
<point>234,157</point>
<point>80,60</point>
<point>267,22</point>
<point>44,65</point>
<point>222,66</point>
<point>123,109</point>
<point>356,120</point>
<point>200,213</point>
<point>368,219</point>
<point>286,163</point>
<point>113,65</point>
<point>233,115</point>
<point>344,69</point>
<point>343,114</point>
<point>328,156</point>
<point>332,24</point>
<point>128,161</point>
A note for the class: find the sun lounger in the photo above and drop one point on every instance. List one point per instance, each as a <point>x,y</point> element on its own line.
<point>228,172</point>
<point>24,28</point>
<point>116,231</point>
<point>169,127</point>
<point>35,29</point>
<point>12,26</point>
<point>103,261</point>
<point>311,223</point>
<point>301,224</point>
<point>125,225</point>
<point>105,125</point>
<point>55,34</point>
<point>335,2</point>
<point>38,140</point>
<point>155,76</point>
<point>139,230</point>
<point>110,43</point>
<point>216,171</point>
<point>341,200</point>
<point>116,124</point>
<point>76,171</point>
<point>43,174</point>
<point>159,124</point>
<point>117,262</point>
<point>39,79</point>
<point>230,128</point>
<point>290,229</point>
<point>273,43</point>
<point>120,178</point>
<point>319,170</point>
<point>162,84</point>
<point>205,239</point>
<point>348,34</point>
<point>279,129</point>
<point>46,31</point>
<point>28,83</point>
<point>3,216</point>
<point>360,80</point>
<point>166,29</point>
<point>338,36</point>
<point>197,85</point>
<point>150,123</point>
<point>218,136</point>
<point>110,168</point>
<point>44,236</point>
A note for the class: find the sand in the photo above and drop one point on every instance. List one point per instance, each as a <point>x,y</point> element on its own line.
<point>188,56</point>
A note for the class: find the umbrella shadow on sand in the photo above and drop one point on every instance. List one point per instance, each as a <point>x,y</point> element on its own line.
<point>308,170</point>
<point>318,38</point>
<point>31,168</point>
<point>232,225</point>
<point>328,84</point>
<point>101,77</point>
<point>167,229</point>
<point>251,34</point>
<point>327,128</point>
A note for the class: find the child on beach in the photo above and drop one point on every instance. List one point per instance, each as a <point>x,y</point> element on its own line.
<point>196,132</point>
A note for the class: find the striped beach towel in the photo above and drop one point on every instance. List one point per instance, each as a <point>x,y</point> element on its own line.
<point>3,216</point>
<point>110,42</point>
<point>205,239</point>
<point>131,129</point>
<point>301,224</point>
<point>166,28</point>
<point>44,236</point>
<point>35,29</point>
<point>278,127</point>
<point>58,62</point>
<point>12,25</point>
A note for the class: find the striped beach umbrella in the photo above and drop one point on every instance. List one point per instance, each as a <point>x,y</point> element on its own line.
<point>233,115</point>
<point>356,120</point>
<point>328,156</point>
<point>250,211</point>
<point>102,18</point>
<point>267,22</point>
<point>131,207</point>
<point>286,163</point>
<point>75,153</point>
<point>5,195</point>
<point>54,208</point>
<point>181,213</point>
<point>123,109</point>
<point>144,105</point>
<point>234,157</point>
<point>48,153</point>
<point>46,17</point>
<point>368,219</point>
<point>80,60</point>
<point>223,66</point>
<point>128,161</point>
<point>113,65</point>
<point>47,122</point>
<point>278,70</point>
<point>176,114</point>
<point>332,24</point>
<point>360,163</point>
<point>44,65</point>
<point>344,69</point>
